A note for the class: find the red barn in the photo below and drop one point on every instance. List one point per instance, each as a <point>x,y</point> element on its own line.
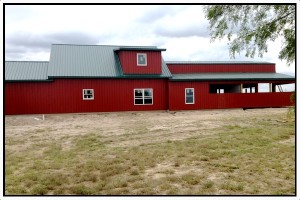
<point>101,78</point>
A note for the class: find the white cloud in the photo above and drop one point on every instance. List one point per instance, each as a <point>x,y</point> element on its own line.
<point>181,29</point>
<point>189,22</point>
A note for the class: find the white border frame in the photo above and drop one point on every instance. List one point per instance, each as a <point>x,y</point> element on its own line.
<point>88,98</point>
<point>137,59</point>
<point>143,97</point>
<point>193,95</point>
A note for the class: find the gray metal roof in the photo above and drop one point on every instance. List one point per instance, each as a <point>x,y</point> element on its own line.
<point>218,62</point>
<point>26,71</point>
<point>231,76</point>
<point>91,61</point>
<point>101,61</point>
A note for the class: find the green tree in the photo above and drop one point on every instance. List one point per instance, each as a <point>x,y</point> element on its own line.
<point>249,28</point>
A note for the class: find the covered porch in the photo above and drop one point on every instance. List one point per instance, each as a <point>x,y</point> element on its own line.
<point>235,90</point>
<point>220,88</point>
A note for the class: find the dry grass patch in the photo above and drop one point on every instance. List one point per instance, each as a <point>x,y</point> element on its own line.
<point>249,152</point>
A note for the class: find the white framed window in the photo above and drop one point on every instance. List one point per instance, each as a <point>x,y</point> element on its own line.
<point>88,94</point>
<point>142,59</point>
<point>143,96</point>
<point>189,96</point>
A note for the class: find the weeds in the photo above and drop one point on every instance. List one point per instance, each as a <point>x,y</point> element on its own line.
<point>232,159</point>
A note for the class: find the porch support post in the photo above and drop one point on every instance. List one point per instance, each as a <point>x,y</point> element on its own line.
<point>241,87</point>
<point>270,87</point>
<point>273,87</point>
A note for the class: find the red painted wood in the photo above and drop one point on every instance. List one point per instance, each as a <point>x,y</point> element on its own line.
<point>128,61</point>
<point>219,68</point>
<point>205,100</point>
<point>65,96</point>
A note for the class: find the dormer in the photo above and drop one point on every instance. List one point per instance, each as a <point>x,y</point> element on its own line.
<point>140,60</point>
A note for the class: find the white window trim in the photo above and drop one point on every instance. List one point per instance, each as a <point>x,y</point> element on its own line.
<point>193,95</point>
<point>137,59</point>
<point>87,98</point>
<point>143,89</point>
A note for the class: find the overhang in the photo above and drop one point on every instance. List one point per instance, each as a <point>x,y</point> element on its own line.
<point>139,49</point>
<point>217,63</point>
<point>232,77</point>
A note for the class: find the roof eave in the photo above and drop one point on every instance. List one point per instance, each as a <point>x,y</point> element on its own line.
<point>138,49</point>
<point>249,79</point>
<point>16,81</point>
<point>110,77</point>
<point>218,63</point>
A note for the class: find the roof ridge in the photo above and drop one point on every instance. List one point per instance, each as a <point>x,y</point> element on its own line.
<point>105,45</point>
<point>218,62</point>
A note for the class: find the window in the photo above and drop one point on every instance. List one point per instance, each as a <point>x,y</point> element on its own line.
<point>142,59</point>
<point>88,94</point>
<point>189,95</point>
<point>143,96</point>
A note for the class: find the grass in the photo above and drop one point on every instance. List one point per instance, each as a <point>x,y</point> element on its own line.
<point>234,159</point>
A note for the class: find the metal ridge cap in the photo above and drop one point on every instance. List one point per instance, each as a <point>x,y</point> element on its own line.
<point>105,45</point>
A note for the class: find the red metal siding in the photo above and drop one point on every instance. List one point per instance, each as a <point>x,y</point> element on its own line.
<point>128,61</point>
<point>215,68</point>
<point>65,96</point>
<point>205,100</point>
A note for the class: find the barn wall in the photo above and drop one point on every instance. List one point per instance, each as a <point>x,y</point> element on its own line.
<point>219,68</point>
<point>206,100</point>
<point>128,61</point>
<point>65,96</point>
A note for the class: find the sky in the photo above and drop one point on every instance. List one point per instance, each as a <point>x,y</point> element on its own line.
<point>181,29</point>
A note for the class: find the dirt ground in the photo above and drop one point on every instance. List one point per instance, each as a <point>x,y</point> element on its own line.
<point>131,128</point>
<point>185,170</point>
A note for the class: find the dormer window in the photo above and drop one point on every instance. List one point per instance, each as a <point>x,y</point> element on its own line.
<point>142,59</point>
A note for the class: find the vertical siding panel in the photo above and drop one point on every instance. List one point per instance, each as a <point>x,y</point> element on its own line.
<point>65,96</point>
<point>220,68</point>
<point>128,61</point>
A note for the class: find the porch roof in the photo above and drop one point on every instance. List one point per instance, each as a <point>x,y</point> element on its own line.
<point>232,77</point>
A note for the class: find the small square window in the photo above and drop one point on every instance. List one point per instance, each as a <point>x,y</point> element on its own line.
<point>88,94</point>
<point>189,96</point>
<point>142,59</point>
